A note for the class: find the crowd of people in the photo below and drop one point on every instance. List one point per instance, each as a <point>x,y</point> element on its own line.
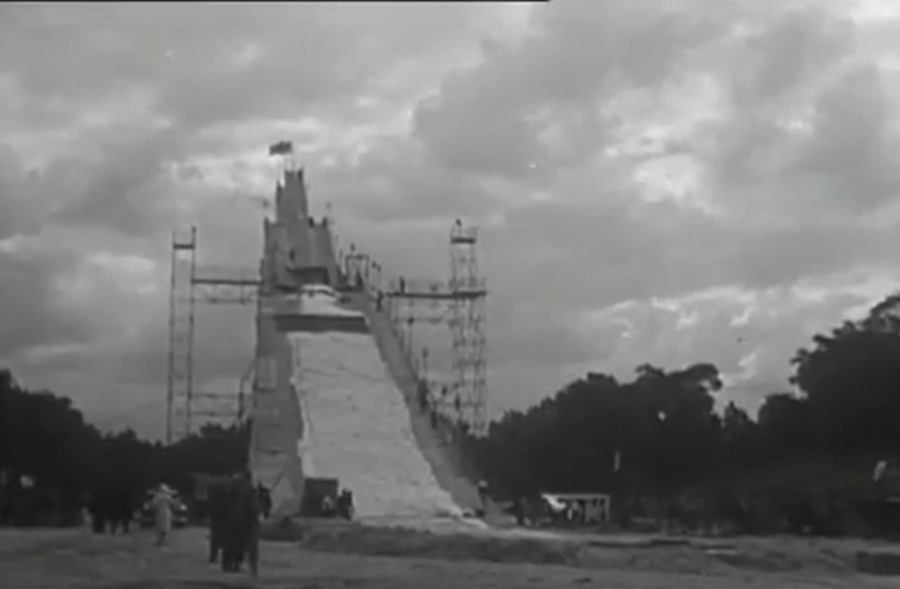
<point>235,508</point>
<point>112,511</point>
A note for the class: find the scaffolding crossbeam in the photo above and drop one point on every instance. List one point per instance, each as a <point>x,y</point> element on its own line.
<point>216,395</point>
<point>226,275</point>
<point>226,282</point>
<point>455,288</point>
<point>442,296</point>
<point>226,296</point>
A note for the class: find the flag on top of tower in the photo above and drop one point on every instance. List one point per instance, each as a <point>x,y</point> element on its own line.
<point>281,148</point>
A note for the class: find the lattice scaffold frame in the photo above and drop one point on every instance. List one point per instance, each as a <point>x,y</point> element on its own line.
<point>186,408</point>
<point>459,303</point>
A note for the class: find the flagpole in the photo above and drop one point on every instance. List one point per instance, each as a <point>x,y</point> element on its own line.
<point>285,150</point>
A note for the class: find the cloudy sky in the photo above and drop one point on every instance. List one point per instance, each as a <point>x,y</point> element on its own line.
<point>665,182</point>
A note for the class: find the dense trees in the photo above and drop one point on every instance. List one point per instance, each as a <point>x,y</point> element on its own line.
<point>660,429</point>
<point>46,445</point>
<point>662,426</point>
<point>669,437</point>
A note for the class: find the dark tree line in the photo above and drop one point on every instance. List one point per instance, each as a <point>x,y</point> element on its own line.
<point>662,425</point>
<point>669,437</point>
<point>53,463</point>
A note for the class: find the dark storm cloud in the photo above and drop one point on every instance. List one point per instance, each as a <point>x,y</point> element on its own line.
<point>806,61</point>
<point>18,214</point>
<point>376,190</point>
<point>793,203</point>
<point>224,343</point>
<point>612,247</point>
<point>788,54</point>
<point>198,70</point>
<point>122,188</point>
<point>599,254</point>
<point>531,334</point>
<point>28,305</point>
<point>779,322</point>
<point>529,120</point>
<point>188,56</point>
<point>850,153</point>
<point>484,120</point>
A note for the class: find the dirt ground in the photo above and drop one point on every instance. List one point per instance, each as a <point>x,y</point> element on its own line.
<point>72,559</point>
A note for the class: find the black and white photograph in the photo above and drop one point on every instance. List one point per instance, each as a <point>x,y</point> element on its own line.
<point>484,294</point>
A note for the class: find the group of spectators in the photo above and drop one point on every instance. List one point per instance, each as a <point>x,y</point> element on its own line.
<point>235,509</point>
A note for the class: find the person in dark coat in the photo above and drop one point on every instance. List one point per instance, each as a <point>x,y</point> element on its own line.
<point>241,538</point>
<point>230,526</point>
<point>218,496</point>
<point>120,513</point>
<point>99,511</point>
<point>265,500</point>
<point>105,510</point>
<point>518,510</point>
<point>345,504</point>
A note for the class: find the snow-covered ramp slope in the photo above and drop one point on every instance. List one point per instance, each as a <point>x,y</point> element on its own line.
<point>359,429</point>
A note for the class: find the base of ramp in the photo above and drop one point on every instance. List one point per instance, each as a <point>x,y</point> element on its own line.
<point>435,524</point>
<point>881,561</point>
<point>389,529</point>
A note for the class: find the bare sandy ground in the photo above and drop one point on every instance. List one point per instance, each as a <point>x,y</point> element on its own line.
<point>74,559</point>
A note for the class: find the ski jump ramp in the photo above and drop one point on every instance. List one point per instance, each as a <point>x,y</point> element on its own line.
<point>334,389</point>
<point>343,415</point>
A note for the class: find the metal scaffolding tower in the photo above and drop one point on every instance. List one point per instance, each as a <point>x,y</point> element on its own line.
<point>460,304</point>
<point>468,297</point>
<point>180,391</point>
<point>186,408</point>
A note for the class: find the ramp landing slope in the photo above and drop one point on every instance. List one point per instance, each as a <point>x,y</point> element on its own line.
<point>358,425</point>
<point>440,452</point>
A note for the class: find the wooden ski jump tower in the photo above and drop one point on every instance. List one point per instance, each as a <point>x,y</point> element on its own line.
<point>458,303</point>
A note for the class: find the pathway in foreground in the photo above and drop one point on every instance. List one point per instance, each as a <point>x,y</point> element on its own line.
<point>69,560</point>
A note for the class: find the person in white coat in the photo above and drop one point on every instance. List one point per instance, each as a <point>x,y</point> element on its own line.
<point>163,499</point>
